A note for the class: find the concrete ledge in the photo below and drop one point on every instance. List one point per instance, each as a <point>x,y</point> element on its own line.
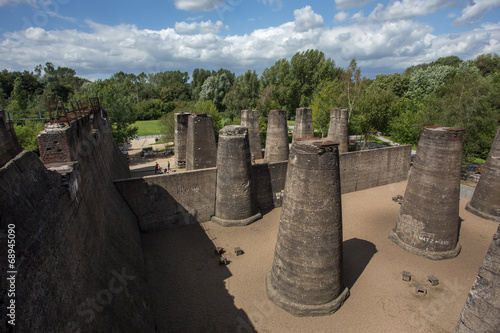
<point>426,254</point>
<point>236,223</point>
<point>304,310</point>
<point>481,214</point>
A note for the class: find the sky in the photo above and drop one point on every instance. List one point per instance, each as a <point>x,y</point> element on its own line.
<point>100,38</point>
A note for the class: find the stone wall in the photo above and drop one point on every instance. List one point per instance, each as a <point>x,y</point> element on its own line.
<point>79,260</point>
<point>167,201</point>
<point>268,182</point>
<point>9,146</point>
<point>481,312</point>
<point>376,167</point>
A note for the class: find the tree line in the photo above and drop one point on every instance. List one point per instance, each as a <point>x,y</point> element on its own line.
<point>446,92</point>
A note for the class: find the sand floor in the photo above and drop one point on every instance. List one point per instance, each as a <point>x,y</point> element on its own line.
<point>192,293</point>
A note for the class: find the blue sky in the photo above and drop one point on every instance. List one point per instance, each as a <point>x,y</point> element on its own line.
<point>99,38</point>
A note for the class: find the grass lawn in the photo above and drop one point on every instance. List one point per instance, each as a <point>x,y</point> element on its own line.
<point>147,127</point>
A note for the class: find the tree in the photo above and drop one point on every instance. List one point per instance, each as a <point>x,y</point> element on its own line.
<point>464,101</point>
<point>27,134</point>
<point>326,97</point>
<point>199,77</point>
<point>215,88</point>
<point>374,111</point>
<point>488,63</point>
<point>353,86</point>
<point>296,81</point>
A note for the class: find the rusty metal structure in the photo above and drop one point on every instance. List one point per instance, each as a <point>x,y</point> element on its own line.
<point>78,110</point>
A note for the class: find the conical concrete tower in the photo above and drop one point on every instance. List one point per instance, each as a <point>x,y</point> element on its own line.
<point>303,124</point>
<point>180,138</point>
<point>485,201</point>
<point>339,128</point>
<point>233,203</point>
<point>201,150</point>
<point>277,137</point>
<point>306,277</point>
<point>428,223</point>
<point>250,120</point>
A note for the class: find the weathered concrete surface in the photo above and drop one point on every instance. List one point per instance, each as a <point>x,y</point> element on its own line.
<point>375,167</point>
<point>303,124</point>
<point>173,200</point>
<point>250,120</point>
<point>268,181</point>
<point>167,201</point>
<point>486,199</point>
<point>306,277</point>
<point>277,137</point>
<point>481,312</point>
<point>201,151</point>
<point>180,137</point>
<point>233,199</point>
<point>339,128</point>
<point>79,258</point>
<point>9,146</point>
<point>428,223</point>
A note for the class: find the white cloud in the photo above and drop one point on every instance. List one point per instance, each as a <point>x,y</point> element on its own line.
<point>391,45</point>
<point>341,17</point>
<point>344,4</point>
<point>306,19</point>
<point>472,13</point>
<point>206,27</point>
<point>17,2</point>
<point>408,9</point>
<point>278,4</point>
<point>198,5</point>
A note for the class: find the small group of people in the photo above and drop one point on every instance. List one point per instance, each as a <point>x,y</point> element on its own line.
<point>158,170</point>
<point>168,153</point>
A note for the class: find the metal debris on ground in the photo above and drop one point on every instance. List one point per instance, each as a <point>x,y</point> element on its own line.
<point>398,198</point>
<point>433,280</point>
<point>421,289</point>
<point>238,251</point>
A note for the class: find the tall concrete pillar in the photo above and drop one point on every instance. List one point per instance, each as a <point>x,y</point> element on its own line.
<point>303,124</point>
<point>339,128</point>
<point>250,120</point>
<point>180,138</point>
<point>277,137</point>
<point>485,201</point>
<point>428,223</point>
<point>201,151</point>
<point>233,203</point>
<point>306,276</point>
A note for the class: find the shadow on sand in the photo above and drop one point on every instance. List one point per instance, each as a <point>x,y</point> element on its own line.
<point>357,255</point>
<point>188,284</point>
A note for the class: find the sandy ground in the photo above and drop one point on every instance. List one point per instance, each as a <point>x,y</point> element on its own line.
<point>192,293</point>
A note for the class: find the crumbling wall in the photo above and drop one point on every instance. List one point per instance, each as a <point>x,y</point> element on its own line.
<point>9,146</point>
<point>375,167</point>
<point>79,260</point>
<point>481,312</point>
<point>167,201</point>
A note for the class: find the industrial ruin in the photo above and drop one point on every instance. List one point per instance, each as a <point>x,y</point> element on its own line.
<point>429,223</point>
<point>230,244</point>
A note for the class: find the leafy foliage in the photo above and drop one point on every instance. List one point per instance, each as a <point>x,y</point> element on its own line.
<point>445,92</point>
